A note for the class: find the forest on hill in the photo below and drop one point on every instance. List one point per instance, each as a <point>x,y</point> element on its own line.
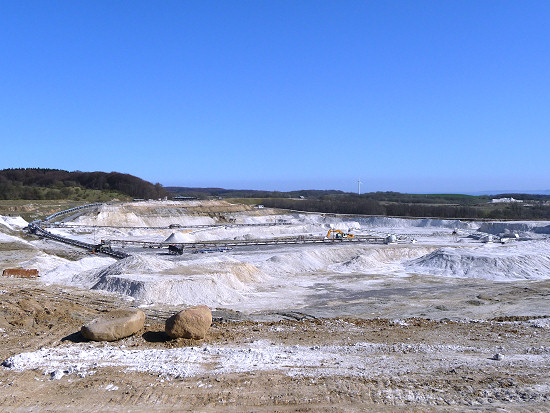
<point>39,183</point>
<point>386,203</point>
<point>204,193</point>
<point>408,205</point>
<point>56,184</point>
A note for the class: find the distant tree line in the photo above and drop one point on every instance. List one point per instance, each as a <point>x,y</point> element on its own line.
<point>387,203</point>
<point>366,206</point>
<point>426,198</point>
<point>40,183</point>
<point>203,193</point>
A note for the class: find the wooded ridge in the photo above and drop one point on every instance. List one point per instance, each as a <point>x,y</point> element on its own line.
<point>39,183</point>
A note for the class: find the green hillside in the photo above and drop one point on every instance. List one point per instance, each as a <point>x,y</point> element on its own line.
<point>50,184</point>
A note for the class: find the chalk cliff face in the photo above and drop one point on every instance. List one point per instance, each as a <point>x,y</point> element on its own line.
<point>165,213</point>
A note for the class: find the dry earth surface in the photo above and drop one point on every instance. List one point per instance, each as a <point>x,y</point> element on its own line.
<point>416,365</point>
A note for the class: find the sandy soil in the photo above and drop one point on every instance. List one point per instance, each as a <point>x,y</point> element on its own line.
<point>375,365</point>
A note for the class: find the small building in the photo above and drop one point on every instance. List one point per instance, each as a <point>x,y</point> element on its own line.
<point>20,273</point>
<point>505,200</point>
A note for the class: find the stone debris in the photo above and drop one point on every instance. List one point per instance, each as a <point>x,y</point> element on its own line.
<point>191,323</point>
<point>56,374</point>
<point>114,325</point>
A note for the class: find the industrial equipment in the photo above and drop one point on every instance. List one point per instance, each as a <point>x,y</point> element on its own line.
<point>175,250</point>
<point>337,234</point>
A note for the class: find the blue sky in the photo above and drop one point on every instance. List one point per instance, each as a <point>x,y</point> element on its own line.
<point>410,96</point>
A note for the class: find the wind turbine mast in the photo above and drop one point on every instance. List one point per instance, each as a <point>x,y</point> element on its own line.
<point>359,186</point>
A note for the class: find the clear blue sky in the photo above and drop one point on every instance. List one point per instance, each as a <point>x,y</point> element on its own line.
<point>410,96</point>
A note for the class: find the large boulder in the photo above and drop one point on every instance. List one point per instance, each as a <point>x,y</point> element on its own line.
<point>191,323</point>
<point>114,325</point>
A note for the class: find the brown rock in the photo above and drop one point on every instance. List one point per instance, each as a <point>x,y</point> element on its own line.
<point>114,325</point>
<point>191,323</point>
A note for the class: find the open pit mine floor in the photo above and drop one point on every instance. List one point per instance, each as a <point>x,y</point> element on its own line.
<point>437,321</point>
<point>332,364</point>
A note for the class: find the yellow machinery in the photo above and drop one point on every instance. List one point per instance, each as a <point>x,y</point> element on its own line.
<point>337,234</point>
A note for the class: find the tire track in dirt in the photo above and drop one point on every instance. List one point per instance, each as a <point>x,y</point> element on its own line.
<point>50,314</point>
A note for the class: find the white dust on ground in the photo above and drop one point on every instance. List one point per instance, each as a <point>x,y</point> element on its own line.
<point>362,359</point>
<point>17,242</point>
<point>9,223</point>
<point>246,281</point>
<point>213,281</point>
<point>279,277</point>
<point>276,278</point>
<point>9,229</point>
<point>522,228</point>
<point>520,261</point>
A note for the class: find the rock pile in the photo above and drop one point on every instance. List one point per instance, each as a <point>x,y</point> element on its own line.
<point>192,323</point>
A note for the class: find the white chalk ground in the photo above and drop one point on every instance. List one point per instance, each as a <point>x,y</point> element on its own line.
<point>428,273</point>
<point>360,359</point>
<point>12,223</point>
<point>287,277</point>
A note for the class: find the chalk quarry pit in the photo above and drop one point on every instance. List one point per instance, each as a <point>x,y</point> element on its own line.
<point>330,312</point>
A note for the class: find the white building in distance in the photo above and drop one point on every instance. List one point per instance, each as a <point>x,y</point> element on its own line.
<point>504,200</point>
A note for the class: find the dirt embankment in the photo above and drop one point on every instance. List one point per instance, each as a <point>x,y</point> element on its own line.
<point>145,208</point>
<point>411,365</point>
<point>31,210</point>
